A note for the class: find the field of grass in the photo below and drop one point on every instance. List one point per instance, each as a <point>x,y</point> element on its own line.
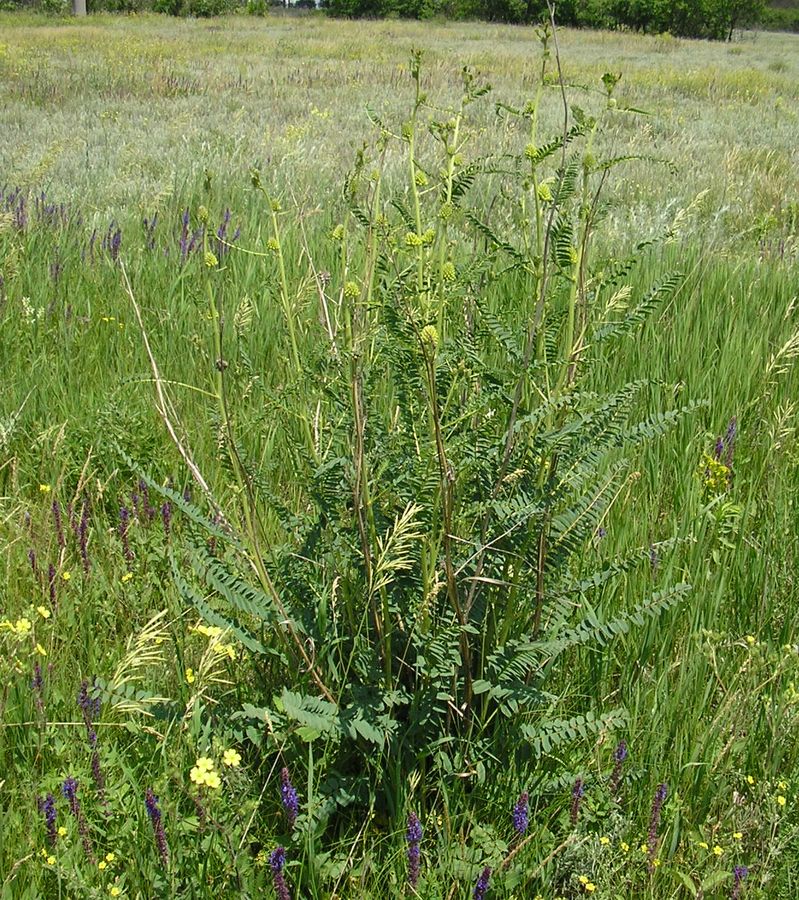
<point>408,546</point>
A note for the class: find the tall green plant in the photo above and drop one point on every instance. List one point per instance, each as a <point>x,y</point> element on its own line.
<point>418,601</point>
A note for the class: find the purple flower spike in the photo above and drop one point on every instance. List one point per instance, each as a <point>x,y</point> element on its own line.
<point>654,821</point>
<point>739,873</point>
<point>577,796</point>
<point>124,523</point>
<point>277,860</point>
<point>289,797</point>
<point>59,526</point>
<point>481,888</point>
<point>619,755</point>
<point>521,814</point>
<point>48,810</point>
<point>154,813</point>
<point>414,838</point>
<point>70,790</point>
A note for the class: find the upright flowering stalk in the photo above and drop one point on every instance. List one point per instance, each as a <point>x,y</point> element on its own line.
<point>34,566</point>
<point>739,873</point>
<point>577,797</point>
<point>619,755</point>
<point>521,814</point>
<point>277,860</point>
<point>90,708</point>
<point>37,684</point>
<point>154,814</point>
<point>70,790</point>
<point>83,536</point>
<point>288,795</point>
<point>59,525</point>
<point>654,821</point>
<point>166,518</point>
<point>414,838</point>
<point>729,442</point>
<point>51,586</point>
<point>481,888</point>
<point>48,810</point>
<point>124,524</point>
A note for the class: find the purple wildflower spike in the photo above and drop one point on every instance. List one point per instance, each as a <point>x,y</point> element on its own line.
<point>654,820</point>
<point>414,838</point>
<point>154,813</point>
<point>124,523</point>
<point>481,888</point>
<point>521,814</point>
<point>48,810</point>
<point>739,874</point>
<point>577,796</point>
<point>70,790</point>
<point>619,755</point>
<point>277,860</point>
<point>59,525</point>
<point>288,795</point>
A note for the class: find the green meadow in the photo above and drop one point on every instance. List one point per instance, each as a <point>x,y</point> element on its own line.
<point>398,461</point>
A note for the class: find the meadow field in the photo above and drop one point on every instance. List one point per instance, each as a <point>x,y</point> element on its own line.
<point>398,461</point>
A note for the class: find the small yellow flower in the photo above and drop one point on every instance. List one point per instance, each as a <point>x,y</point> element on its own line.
<point>261,859</point>
<point>50,860</point>
<point>750,779</point>
<point>231,758</point>
<point>604,841</point>
<point>128,576</point>
<point>583,879</point>
<point>625,846</point>
<point>781,800</point>
<point>644,849</point>
<point>737,835</point>
<point>102,865</point>
<point>782,785</point>
<point>751,639</point>
<point>210,260</point>
<point>43,853</point>
<point>43,611</point>
<point>704,845</point>
<point>190,676</point>
<point>205,764</point>
<point>44,488</point>
<point>590,887</point>
<point>197,775</point>
<point>40,650</point>
<point>718,850</point>
<point>62,832</point>
<point>65,576</point>
<point>110,857</point>
<point>213,780</point>
<point>114,891</point>
<point>655,862</point>
<point>22,627</point>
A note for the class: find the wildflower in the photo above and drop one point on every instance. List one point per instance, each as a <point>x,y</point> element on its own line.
<point>625,847</point>
<point>654,821</point>
<point>277,860</point>
<point>114,891</point>
<point>644,848</point>
<point>128,576</point>
<point>521,813</point>
<point>166,517</point>
<point>44,488</point>
<point>782,785</point>
<point>448,272</point>
<point>750,779</point>
<point>22,627</point>
<point>40,650</point>
<point>751,639</point>
<point>231,758</point>
<point>604,841</point>
<point>351,290</point>
<point>481,887</point>
<point>124,523</point>
<point>583,879</point>
<point>718,851</point>
<point>212,780</point>
<point>739,873</point>
<point>48,810</point>
<point>43,611</point>
<point>102,865</point>
<point>577,795</point>
<point>70,791</point>
<point>154,812</point>
<point>413,836</point>
<point>781,800</point>
<point>704,845</point>
<point>51,585</point>
<point>273,245</point>
<point>619,755</point>
<point>62,832</point>
<point>190,678</point>
<point>83,536</point>
<point>737,835</point>
<point>288,795</point>
<point>65,576</point>
<point>50,860</point>
<point>210,260</point>
<point>59,527</point>
<point>590,887</point>
<point>429,337</point>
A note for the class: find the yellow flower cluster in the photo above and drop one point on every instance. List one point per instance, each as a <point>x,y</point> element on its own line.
<point>21,628</point>
<point>204,774</point>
